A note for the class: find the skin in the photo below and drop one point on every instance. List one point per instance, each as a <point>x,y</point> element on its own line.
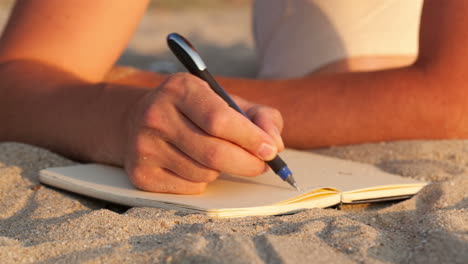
<point>424,99</point>
<point>151,131</point>
<point>172,134</point>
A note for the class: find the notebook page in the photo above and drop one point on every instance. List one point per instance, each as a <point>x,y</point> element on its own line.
<point>311,171</point>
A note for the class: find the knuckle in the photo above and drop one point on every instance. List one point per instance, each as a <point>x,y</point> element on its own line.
<point>188,79</point>
<point>272,113</point>
<point>176,85</point>
<point>256,169</point>
<point>259,169</point>
<point>275,113</point>
<point>142,179</point>
<point>138,179</point>
<point>210,175</point>
<point>182,87</point>
<point>203,176</point>
<point>177,77</point>
<point>269,111</point>
<point>216,122</point>
<point>213,157</point>
<point>142,147</point>
<point>157,122</point>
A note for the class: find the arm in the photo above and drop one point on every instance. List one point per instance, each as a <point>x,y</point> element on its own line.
<point>91,34</point>
<point>53,52</point>
<point>53,60</point>
<point>59,52</point>
<point>426,100</point>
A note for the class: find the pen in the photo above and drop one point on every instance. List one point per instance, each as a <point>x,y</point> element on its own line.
<point>190,58</point>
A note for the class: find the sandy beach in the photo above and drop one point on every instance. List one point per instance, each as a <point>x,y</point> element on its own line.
<point>40,224</point>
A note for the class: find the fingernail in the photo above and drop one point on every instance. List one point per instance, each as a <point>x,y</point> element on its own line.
<point>277,136</point>
<point>267,152</point>
<point>267,169</point>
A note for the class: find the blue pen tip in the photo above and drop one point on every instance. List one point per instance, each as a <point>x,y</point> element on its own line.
<point>284,173</point>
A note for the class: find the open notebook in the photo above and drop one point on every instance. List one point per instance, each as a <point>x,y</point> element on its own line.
<point>324,181</point>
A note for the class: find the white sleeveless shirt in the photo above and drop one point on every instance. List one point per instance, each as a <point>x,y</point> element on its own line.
<point>296,37</point>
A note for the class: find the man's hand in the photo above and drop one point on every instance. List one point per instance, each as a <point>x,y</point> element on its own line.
<point>182,135</point>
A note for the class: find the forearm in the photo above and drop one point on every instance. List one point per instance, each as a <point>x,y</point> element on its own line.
<point>82,37</point>
<point>347,108</point>
<point>427,100</point>
<point>44,106</point>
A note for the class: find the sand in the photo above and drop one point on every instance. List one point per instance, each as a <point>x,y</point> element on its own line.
<point>40,224</point>
<point>46,225</point>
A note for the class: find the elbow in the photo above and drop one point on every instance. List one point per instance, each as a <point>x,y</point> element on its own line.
<point>443,97</point>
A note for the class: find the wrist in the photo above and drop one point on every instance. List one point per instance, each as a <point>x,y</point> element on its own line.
<point>121,92</point>
<point>108,141</point>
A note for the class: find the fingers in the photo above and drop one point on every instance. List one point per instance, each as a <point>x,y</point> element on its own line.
<point>182,135</point>
<point>267,118</point>
<point>270,121</point>
<point>168,124</point>
<point>155,179</point>
<point>155,151</point>
<point>215,153</point>
<point>160,167</point>
<point>188,168</point>
<point>212,115</point>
